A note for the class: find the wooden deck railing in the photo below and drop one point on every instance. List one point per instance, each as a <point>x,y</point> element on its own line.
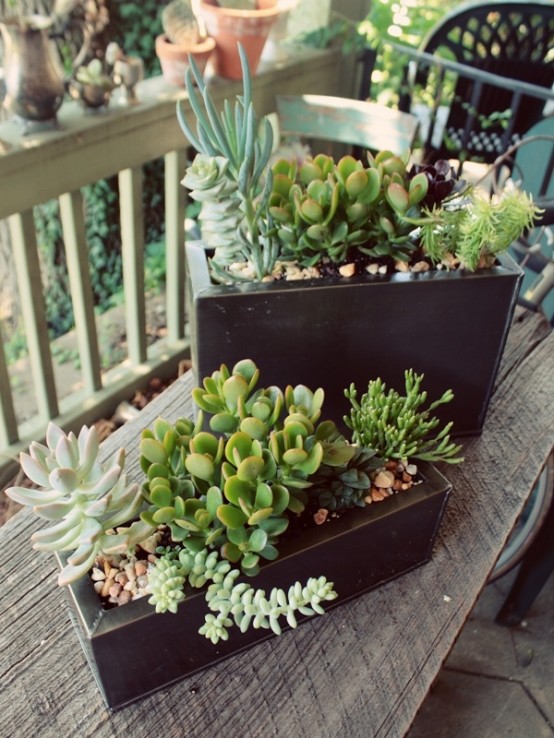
<point>57,164</point>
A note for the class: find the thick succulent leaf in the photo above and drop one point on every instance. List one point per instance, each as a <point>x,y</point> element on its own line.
<point>224,423</point>
<point>24,496</point>
<point>254,427</point>
<point>257,516</point>
<point>54,510</point>
<point>214,499</point>
<point>34,469</point>
<point>158,470</point>
<point>274,526</point>
<point>280,495</point>
<point>63,480</point>
<point>153,450</point>
<point>250,561</point>
<point>269,552</point>
<point>231,516</point>
<point>313,461</point>
<point>231,552</point>
<point>236,489</point>
<point>238,447</point>
<point>161,427</point>
<point>238,536</point>
<point>77,566</point>
<point>249,469</point>
<point>201,466</point>
<point>205,443</point>
<point>161,496</point>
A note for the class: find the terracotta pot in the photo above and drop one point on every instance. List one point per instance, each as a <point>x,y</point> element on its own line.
<point>174,59</point>
<point>230,27</point>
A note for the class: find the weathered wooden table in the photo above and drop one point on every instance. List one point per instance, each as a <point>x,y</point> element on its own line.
<point>361,670</point>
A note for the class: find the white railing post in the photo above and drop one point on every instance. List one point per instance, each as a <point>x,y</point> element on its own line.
<point>175,199</point>
<point>25,255</point>
<point>132,244</point>
<point>76,254</point>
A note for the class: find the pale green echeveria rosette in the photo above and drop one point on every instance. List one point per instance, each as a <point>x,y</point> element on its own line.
<point>84,498</point>
<point>220,215</point>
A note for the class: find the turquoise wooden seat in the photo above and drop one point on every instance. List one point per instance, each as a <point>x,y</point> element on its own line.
<point>368,125</point>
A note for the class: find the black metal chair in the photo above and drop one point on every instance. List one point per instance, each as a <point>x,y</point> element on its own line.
<point>489,69</point>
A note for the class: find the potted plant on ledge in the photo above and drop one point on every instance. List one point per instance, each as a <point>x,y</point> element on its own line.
<point>346,269</point>
<point>184,36</point>
<point>238,530</point>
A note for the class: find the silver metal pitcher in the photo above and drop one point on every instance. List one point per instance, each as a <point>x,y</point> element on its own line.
<point>33,75</point>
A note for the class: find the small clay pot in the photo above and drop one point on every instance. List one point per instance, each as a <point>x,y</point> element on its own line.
<point>174,59</point>
<point>230,27</point>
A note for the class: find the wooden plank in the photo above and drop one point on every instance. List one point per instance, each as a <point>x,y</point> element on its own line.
<point>175,198</point>
<point>367,124</point>
<point>359,671</point>
<point>25,255</point>
<point>8,421</point>
<point>76,253</point>
<point>132,247</point>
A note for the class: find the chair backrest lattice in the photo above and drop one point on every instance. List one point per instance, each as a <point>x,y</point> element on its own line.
<point>513,40</point>
<point>481,78</point>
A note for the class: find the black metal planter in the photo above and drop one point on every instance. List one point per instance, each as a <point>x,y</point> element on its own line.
<point>451,326</point>
<point>133,651</point>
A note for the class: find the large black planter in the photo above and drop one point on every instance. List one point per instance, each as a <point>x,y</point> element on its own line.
<point>134,651</point>
<point>451,326</point>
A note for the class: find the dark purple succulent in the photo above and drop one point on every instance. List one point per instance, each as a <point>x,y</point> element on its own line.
<point>442,178</point>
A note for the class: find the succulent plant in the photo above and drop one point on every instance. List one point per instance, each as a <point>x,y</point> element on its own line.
<point>87,500</point>
<point>180,23</point>
<point>397,426</point>
<point>237,136</point>
<point>234,487</point>
<point>344,486</point>
<point>232,601</point>
<point>245,606</point>
<point>93,74</point>
<point>256,216</point>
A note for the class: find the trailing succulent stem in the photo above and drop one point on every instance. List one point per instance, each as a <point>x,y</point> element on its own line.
<point>85,500</point>
<point>397,426</point>
<point>231,601</point>
<point>229,176</point>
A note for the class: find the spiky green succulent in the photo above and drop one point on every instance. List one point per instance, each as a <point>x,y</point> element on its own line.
<point>85,499</point>
<point>236,136</point>
<point>397,426</point>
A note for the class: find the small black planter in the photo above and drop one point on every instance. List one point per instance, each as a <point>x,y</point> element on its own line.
<point>133,651</point>
<point>451,326</point>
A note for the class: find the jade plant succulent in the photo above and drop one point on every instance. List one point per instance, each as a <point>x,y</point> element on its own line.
<point>318,214</point>
<point>220,490</point>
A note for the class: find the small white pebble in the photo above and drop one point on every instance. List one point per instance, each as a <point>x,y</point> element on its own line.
<point>446,598</point>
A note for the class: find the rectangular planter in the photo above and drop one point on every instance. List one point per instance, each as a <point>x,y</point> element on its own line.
<point>451,326</point>
<point>133,651</point>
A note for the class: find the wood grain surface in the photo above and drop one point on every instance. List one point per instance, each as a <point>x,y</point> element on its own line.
<point>361,670</point>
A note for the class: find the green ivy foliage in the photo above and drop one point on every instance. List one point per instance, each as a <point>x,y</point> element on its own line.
<point>134,26</point>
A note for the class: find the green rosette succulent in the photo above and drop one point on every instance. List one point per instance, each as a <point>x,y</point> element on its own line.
<point>220,215</point>
<point>84,499</point>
